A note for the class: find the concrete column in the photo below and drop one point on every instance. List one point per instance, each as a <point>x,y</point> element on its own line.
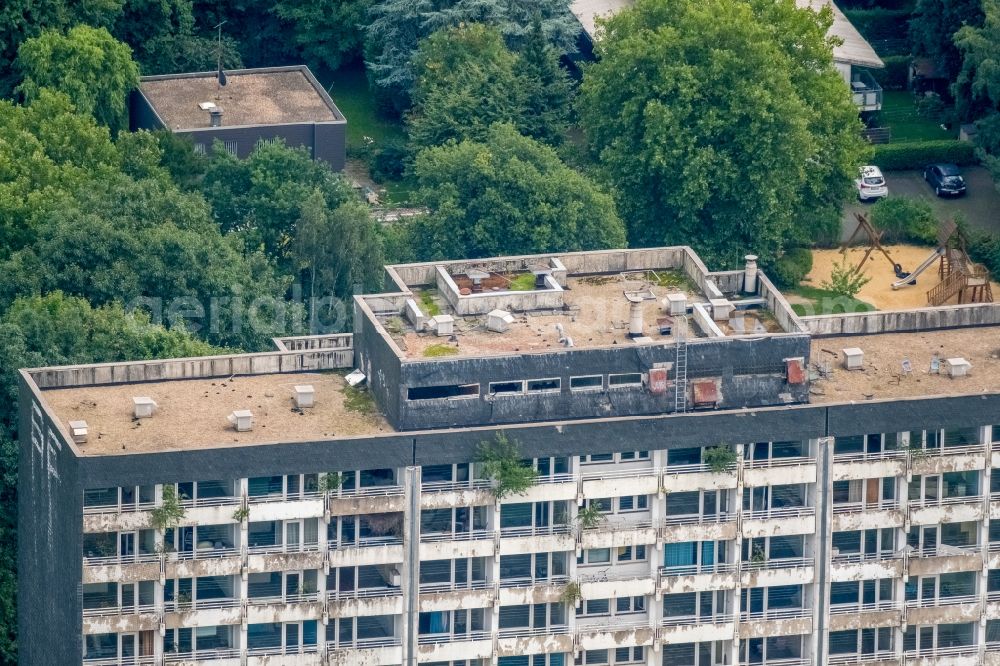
<point>410,569</point>
<point>822,547</point>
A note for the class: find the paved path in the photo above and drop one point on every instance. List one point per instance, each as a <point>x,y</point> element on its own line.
<point>980,206</point>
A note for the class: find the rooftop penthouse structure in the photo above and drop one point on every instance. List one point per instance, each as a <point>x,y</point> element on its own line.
<point>718,481</point>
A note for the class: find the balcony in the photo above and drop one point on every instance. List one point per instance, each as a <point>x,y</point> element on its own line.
<point>698,527</point>
<point>953,651</point>
<point>862,658</point>
<point>120,661</point>
<point>202,656</point>
<point>777,571</point>
<point>857,607</point>
<point>779,521</point>
<point>865,91</point>
<point>179,606</point>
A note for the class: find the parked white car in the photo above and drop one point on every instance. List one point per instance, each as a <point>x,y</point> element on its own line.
<point>871,184</point>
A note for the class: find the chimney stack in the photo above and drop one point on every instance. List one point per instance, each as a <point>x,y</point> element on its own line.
<point>750,274</point>
<point>635,323</point>
<point>215,117</point>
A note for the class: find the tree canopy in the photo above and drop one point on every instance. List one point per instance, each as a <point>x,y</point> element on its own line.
<point>980,79</point>
<point>396,28</point>
<point>508,195</point>
<point>91,67</point>
<point>933,28</point>
<point>722,124</point>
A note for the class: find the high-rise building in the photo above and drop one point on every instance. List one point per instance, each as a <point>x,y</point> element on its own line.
<point>717,480</point>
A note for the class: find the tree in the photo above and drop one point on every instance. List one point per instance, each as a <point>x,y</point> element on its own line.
<point>722,124</point>
<point>396,27</point>
<point>94,69</point>
<point>465,83</point>
<point>980,81</point>
<point>327,32</point>
<point>23,19</point>
<point>47,151</point>
<point>336,250</point>
<point>502,465</point>
<point>260,197</point>
<point>546,88</point>
<point>125,240</point>
<point>933,28</point>
<point>508,195</point>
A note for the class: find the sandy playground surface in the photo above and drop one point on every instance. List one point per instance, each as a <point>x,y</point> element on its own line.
<point>879,290</point>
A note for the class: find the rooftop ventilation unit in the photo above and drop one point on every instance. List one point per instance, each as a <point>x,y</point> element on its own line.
<point>675,303</point>
<point>206,106</point>
<point>355,377</point>
<point>305,396</point>
<point>143,407</point>
<point>722,308</point>
<point>958,367</point>
<point>443,325</point>
<point>499,321</point>
<point>242,420</point>
<point>854,358</point>
<point>78,429</point>
<point>215,117</point>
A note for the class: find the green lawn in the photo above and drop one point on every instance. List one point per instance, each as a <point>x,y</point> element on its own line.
<point>900,114</point>
<point>823,302</point>
<point>348,87</point>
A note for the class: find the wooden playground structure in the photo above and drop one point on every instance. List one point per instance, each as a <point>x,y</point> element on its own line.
<point>957,273</point>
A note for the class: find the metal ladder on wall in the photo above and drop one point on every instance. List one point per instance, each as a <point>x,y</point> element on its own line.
<point>681,366</point>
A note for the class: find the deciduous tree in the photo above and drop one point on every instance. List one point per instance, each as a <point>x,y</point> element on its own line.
<point>722,124</point>
<point>508,195</point>
<point>91,67</point>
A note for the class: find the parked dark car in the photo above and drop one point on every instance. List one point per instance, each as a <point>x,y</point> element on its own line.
<point>945,179</point>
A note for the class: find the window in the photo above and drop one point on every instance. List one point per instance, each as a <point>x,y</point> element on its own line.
<point>506,388</point>
<point>624,380</point>
<point>597,458</point>
<point>588,383</point>
<point>630,553</point>
<point>199,149</point>
<point>231,146</point>
<point>532,567</point>
<point>625,605</point>
<point>592,607</point>
<point>695,605</point>
<point>633,455</point>
<point>863,641</point>
<point>443,391</point>
<point>544,385</point>
<point>633,503</point>
<point>602,504</point>
<point>595,556</point>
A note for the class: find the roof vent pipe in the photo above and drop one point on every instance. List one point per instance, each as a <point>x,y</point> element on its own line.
<point>750,274</point>
<point>215,117</point>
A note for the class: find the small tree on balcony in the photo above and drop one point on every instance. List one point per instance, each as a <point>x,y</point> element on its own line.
<point>720,458</point>
<point>331,481</point>
<point>502,464</point>
<point>572,594</point>
<point>170,511</point>
<point>590,516</point>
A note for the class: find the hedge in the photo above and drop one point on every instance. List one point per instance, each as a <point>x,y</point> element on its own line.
<point>895,76</point>
<point>918,154</point>
<point>792,267</point>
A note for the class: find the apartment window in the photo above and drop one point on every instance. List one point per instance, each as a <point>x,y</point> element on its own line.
<point>536,616</point>
<point>866,444</point>
<point>764,498</point>
<point>926,538</point>
<point>944,586</point>
<point>695,605</point>
<point>281,585</point>
<point>932,488</point>
<point>633,455</point>
<point>291,486</point>
<point>757,550</point>
<point>594,607</point>
<point>865,542</point>
<point>506,388</point>
<point>630,553</point>
<point>595,556</point>
<point>775,450</point>
<point>550,467</point>
<point>127,498</point>
<point>625,380</point>
<point>605,505</point>
<point>458,520</point>
<point>557,659</point>
<point>444,391</point>
<point>685,556</point>
<point>775,648</point>
<point>867,492</point>
<point>861,641</point>
<point>346,581</point>
<point>939,636</point>
<point>597,458</point>
<point>629,655</point>
<point>348,631</point>
<point>438,474</point>
<point>532,567</point>
<point>353,481</point>
<point>551,385</point>
<point>866,592</point>
<point>230,146</point>
<point>695,654</point>
<point>457,623</point>
<point>537,515</point>
<point>586,383</point>
<point>705,503</point>
<point>633,503</point>
<point>961,436</point>
<point>460,573</point>
<point>690,455</point>
<point>626,605</point>
<point>778,597</point>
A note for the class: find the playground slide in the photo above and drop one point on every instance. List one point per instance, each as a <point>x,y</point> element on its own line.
<point>912,277</point>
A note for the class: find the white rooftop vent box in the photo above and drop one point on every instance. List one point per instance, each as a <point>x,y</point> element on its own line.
<point>721,308</point>
<point>854,358</point>
<point>355,377</point>
<point>305,396</point>
<point>499,321</point>
<point>242,420</point>
<point>78,429</point>
<point>675,303</point>
<point>206,106</point>
<point>143,406</point>
<point>958,367</point>
<point>443,325</point>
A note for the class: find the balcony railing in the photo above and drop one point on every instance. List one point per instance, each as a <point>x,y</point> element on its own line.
<point>869,456</point>
<point>545,530</point>
<point>175,606</point>
<point>857,558</point>
<point>279,650</point>
<point>365,643</point>
<point>860,657</point>
<point>556,478</point>
<point>201,655</point>
<point>694,620</point>
<point>367,491</point>
<point>279,599</point>
<point>363,593</point>
<point>775,614</point>
<point>950,651</point>
<point>282,497</point>
<point>777,563</point>
<point>435,639</point>
<point>120,661</point>
<point>130,507</point>
<point>865,91</point>
<point>525,632</point>
<point>860,507</point>
<point>792,461</point>
<point>204,553</point>
<point>795,661</point>
<point>780,512</point>
<point>365,542</point>
<point>528,581</point>
<point>131,558</point>
<point>956,600</point>
<point>959,450</point>
<point>608,623</point>
<point>694,569</point>
<point>450,486</point>
<point>945,550</point>
<point>229,500</point>
<point>438,588</point>
<point>619,474</point>
<point>858,607</point>
<point>925,502</point>
<point>305,547</point>
<point>118,609</point>
<point>698,519</point>
<point>473,535</point>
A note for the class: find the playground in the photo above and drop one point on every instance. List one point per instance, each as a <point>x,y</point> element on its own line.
<point>906,277</point>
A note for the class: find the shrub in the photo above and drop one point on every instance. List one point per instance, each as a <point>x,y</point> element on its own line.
<point>918,154</point>
<point>905,220</point>
<point>844,280</point>
<point>388,163</point>
<point>720,458</point>
<point>170,512</point>
<point>501,463</point>
<point>896,74</point>
<point>985,249</point>
<point>792,267</point>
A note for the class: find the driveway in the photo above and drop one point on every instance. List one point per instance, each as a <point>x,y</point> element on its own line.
<point>980,206</point>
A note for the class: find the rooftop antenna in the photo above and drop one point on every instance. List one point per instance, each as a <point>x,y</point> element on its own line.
<point>218,54</point>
